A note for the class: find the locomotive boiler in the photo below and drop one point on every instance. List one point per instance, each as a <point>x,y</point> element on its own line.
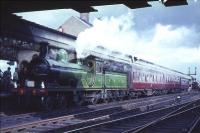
<point>43,68</point>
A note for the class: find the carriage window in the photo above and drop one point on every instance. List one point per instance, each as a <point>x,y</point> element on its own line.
<point>143,77</point>
<point>52,54</point>
<point>136,76</point>
<point>133,75</point>
<point>139,77</point>
<point>62,56</point>
<point>72,57</point>
<point>98,67</point>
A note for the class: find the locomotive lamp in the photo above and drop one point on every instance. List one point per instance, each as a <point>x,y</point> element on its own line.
<point>15,84</point>
<point>42,85</point>
<point>34,92</point>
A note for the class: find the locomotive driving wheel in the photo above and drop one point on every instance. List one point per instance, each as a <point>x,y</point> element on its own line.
<point>96,98</point>
<point>47,104</point>
<point>62,102</point>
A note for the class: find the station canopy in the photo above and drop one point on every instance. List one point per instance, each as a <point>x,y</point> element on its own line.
<point>16,6</point>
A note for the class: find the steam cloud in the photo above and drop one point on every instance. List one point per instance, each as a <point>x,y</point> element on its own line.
<point>174,47</point>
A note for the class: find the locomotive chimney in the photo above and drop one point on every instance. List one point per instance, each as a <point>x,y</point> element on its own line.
<point>43,49</point>
<point>85,17</point>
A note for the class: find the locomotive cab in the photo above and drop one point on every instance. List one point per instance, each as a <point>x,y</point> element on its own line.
<point>89,63</point>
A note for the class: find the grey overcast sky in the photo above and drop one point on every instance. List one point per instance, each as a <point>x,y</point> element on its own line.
<point>169,36</point>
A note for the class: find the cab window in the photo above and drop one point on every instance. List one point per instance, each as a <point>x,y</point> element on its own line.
<point>60,55</point>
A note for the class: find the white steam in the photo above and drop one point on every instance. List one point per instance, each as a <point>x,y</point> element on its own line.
<point>175,47</point>
<point>112,33</point>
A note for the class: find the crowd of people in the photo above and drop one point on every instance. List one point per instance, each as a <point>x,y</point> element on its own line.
<point>6,80</point>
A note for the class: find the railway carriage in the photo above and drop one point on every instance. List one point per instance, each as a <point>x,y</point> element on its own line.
<point>152,78</point>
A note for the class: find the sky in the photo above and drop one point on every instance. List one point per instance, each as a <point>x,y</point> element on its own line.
<point>168,36</point>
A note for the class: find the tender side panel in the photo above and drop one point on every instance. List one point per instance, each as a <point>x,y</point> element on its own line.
<point>91,81</point>
<point>114,80</point>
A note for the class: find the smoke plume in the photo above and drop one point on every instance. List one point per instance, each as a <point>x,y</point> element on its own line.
<point>167,45</point>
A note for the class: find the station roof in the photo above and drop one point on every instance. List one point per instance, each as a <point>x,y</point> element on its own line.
<point>16,6</point>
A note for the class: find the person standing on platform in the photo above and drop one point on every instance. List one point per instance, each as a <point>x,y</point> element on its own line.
<point>1,79</point>
<point>23,69</point>
<point>7,79</point>
<point>15,77</point>
<point>1,74</point>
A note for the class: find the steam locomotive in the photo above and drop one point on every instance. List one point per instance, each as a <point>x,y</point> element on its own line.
<point>98,77</point>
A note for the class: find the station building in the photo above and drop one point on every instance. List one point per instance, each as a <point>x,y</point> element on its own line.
<point>75,25</point>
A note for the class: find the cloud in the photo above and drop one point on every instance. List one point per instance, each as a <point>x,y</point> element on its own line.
<point>178,15</point>
<point>177,47</point>
<point>181,36</point>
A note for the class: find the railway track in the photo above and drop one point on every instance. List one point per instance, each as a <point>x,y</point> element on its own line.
<point>71,122</point>
<point>7,121</point>
<point>186,120</point>
<point>133,123</point>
